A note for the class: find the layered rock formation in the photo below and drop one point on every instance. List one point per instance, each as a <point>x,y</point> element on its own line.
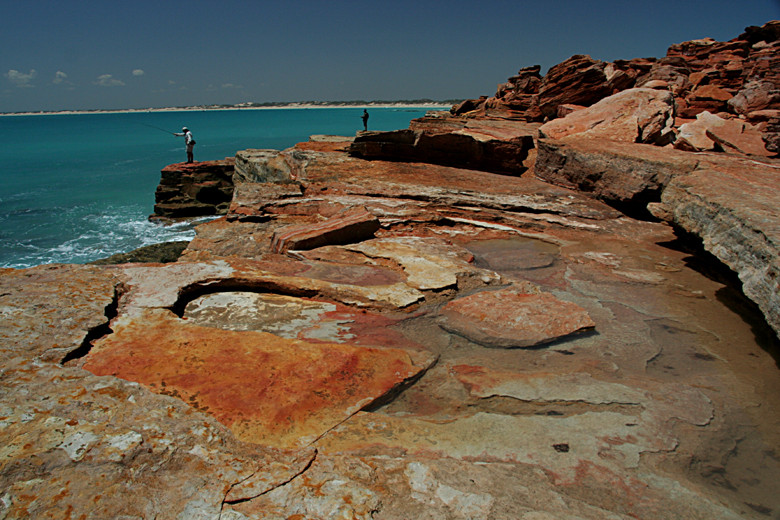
<point>738,78</point>
<point>194,189</point>
<point>418,338</point>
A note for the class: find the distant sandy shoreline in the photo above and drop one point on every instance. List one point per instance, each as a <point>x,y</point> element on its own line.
<point>438,106</point>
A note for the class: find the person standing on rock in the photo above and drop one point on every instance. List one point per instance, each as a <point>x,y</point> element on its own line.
<point>364,117</point>
<point>189,142</point>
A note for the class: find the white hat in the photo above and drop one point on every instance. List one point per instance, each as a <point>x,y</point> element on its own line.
<point>184,129</point>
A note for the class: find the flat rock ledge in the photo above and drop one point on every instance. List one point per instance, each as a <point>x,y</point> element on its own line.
<point>729,201</point>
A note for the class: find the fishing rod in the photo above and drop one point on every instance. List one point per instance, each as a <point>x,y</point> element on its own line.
<point>158,128</point>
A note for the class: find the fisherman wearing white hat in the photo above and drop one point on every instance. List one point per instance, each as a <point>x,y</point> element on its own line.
<point>188,141</point>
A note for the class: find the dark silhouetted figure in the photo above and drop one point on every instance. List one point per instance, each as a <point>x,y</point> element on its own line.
<point>364,117</point>
<point>189,142</point>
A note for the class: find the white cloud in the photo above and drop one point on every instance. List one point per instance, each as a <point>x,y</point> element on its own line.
<point>107,80</point>
<point>59,77</point>
<point>20,79</point>
<point>230,85</point>
<point>138,72</point>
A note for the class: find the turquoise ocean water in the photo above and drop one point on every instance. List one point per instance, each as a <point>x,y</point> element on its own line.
<point>76,188</point>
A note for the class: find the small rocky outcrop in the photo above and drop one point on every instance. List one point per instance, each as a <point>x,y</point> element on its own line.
<point>194,189</point>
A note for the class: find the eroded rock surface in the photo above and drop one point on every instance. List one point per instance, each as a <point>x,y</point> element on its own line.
<point>250,384</point>
<point>245,381</point>
<point>638,115</point>
<point>194,189</point>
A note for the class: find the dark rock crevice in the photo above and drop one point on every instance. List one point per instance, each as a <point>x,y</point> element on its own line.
<point>203,288</point>
<point>731,294</point>
<point>232,497</point>
<point>104,329</point>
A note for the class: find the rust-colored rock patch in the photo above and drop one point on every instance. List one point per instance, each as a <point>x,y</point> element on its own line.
<point>513,317</point>
<point>266,389</point>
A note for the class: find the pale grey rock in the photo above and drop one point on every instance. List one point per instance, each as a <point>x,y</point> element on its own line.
<point>268,166</point>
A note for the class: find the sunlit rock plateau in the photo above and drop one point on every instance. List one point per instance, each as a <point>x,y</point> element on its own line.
<point>532,327</point>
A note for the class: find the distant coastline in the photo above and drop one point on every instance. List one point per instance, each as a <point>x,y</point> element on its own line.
<point>254,106</point>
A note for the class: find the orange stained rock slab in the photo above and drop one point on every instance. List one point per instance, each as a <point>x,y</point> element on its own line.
<point>517,316</point>
<point>266,389</point>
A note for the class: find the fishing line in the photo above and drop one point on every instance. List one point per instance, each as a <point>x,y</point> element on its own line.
<point>158,128</point>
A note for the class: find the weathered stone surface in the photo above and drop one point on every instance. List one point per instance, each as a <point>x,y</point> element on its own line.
<point>655,415</point>
<point>352,225</point>
<point>267,166</point>
<point>710,132</point>
<point>37,322</point>
<point>296,318</point>
<point>628,175</point>
<point>733,207</point>
<point>513,317</point>
<point>266,389</point>
<point>634,115</point>
<point>194,189</point>
<point>493,146</point>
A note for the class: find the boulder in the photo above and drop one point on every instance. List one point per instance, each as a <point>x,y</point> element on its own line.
<point>635,115</point>
<point>754,96</point>
<point>710,132</point>
<point>580,80</point>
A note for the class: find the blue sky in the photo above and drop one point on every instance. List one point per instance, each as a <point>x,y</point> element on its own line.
<point>86,54</point>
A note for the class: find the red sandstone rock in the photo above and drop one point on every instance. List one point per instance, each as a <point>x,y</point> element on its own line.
<point>353,225</point>
<point>704,75</point>
<point>487,145</point>
<point>266,389</point>
<point>624,174</point>
<point>634,115</point>
<point>710,132</point>
<point>580,80</point>
<point>194,189</point>
<point>514,317</point>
